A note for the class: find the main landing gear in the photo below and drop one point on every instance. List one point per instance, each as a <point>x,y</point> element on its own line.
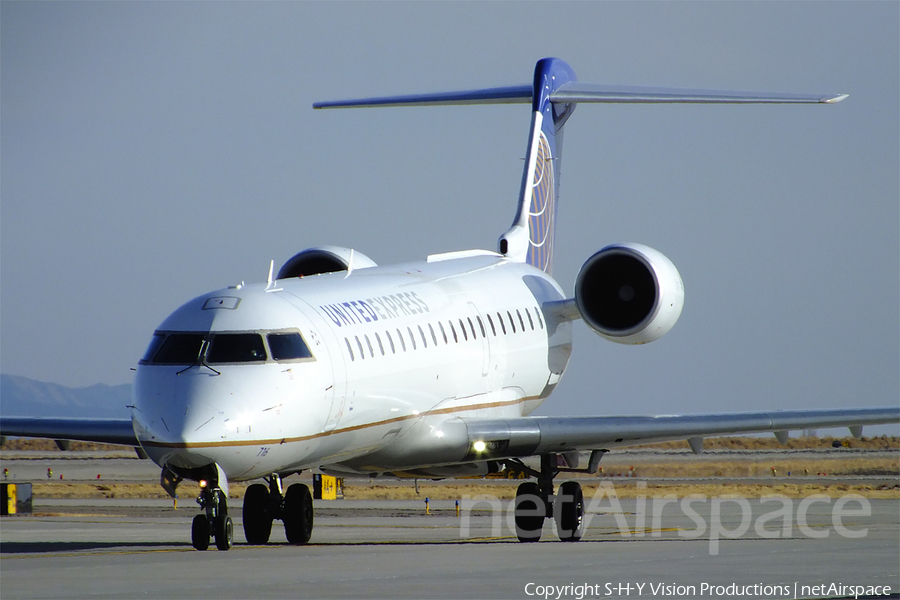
<point>263,504</point>
<point>535,501</point>
<point>213,521</point>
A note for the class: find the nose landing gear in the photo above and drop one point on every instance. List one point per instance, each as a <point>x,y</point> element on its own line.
<point>213,521</point>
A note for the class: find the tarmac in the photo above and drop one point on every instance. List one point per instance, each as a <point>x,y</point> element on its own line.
<point>376,548</point>
<point>716,547</point>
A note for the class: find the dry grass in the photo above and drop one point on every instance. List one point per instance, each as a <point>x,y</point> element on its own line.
<point>790,490</point>
<point>353,491</point>
<point>189,490</point>
<point>762,467</point>
<point>456,491</point>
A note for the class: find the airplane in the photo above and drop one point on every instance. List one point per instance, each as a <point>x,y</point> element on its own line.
<point>426,369</point>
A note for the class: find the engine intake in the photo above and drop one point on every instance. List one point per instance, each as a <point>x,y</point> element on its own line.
<point>324,259</point>
<point>629,293</point>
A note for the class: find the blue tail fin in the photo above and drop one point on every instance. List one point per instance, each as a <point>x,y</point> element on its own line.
<point>531,237</point>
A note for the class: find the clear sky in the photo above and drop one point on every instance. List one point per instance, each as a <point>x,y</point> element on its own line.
<point>155,151</point>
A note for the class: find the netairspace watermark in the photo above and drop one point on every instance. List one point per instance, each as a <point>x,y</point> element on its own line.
<point>622,589</point>
<point>723,517</point>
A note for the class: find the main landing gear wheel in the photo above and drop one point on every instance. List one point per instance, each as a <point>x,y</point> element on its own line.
<point>200,532</point>
<point>297,514</point>
<point>256,515</point>
<point>530,510</point>
<point>536,501</point>
<point>569,512</point>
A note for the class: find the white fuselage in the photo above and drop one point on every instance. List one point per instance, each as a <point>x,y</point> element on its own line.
<point>398,353</point>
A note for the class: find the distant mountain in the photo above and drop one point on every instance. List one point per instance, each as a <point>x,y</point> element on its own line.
<point>23,397</point>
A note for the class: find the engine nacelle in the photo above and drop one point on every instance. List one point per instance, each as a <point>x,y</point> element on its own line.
<point>629,293</point>
<point>324,259</point>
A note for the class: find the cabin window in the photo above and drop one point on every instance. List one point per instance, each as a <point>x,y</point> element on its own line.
<point>179,349</point>
<point>443,332</point>
<point>369,344</point>
<point>236,348</point>
<point>391,341</point>
<point>362,353</point>
<point>472,327</point>
<point>462,326</point>
<point>412,337</point>
<point>453,331</point>
<point>521,320</point>
<point>481,326</point>
<point>349,349</point>
<point>537,313</point>
<point>511,322</point>
<point>433,336</point>
<point>491,323</point>
<point>502,324</point>
<point>530,320</point>
<point>288,346</point>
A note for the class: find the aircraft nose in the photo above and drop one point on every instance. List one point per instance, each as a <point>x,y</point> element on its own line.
<point>177,414</point>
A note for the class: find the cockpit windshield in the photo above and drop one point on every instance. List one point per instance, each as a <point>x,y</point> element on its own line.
<point>288,346</point>
<point>232,347</point>
<point>179,349</point>
<point>235,348</point>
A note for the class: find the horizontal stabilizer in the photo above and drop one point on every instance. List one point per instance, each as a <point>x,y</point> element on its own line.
<point>575,91</point>
<point>518,94</point>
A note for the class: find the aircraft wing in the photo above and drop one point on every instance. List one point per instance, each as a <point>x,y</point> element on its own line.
<point>528,436</point>
<point>105,431</point>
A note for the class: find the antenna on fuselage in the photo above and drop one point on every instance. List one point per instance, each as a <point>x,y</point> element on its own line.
<point>349,265</point>
<point>270,283</point>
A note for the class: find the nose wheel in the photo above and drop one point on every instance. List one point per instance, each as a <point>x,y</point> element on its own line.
<point>200,532</point>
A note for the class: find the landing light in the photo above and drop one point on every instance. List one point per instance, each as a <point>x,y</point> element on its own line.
<point>203,484</point>
<point>479,446</point>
